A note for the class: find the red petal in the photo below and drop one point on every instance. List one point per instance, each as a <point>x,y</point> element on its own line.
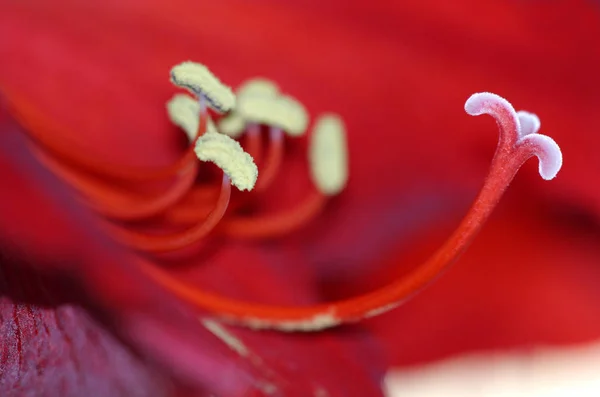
<point>410,64</point>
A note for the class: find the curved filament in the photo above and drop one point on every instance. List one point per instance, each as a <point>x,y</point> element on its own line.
<point>175,241</point>
<point>253,142</point>
<point>273,161</point>
<point>260,227</point>
<point>124,205</point>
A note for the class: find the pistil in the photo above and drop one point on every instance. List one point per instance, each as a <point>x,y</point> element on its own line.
<point>207,208</point>
<point>516,145</point>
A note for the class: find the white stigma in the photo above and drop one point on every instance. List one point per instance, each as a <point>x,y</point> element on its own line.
<point>282,112</point>
<point>548,153</point>
<point>200,81</point>
<point>530,122</point>
<point>328,155</point>
<point>518,130</point>
<point>228,155</point>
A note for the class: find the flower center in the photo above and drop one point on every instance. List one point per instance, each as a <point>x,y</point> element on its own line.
<point>193,208</point>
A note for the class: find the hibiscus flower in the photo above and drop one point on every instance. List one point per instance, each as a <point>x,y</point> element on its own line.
<point>97,75</point>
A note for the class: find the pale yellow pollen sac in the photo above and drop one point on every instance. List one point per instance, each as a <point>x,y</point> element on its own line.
<point>200,81</point>
<point>328,155</point>
<point>184,112</point>
<point>232,125</point>
<point>297,116</point>
<point>281,112</point>
<point>228,155</point>
<point>258,86</point>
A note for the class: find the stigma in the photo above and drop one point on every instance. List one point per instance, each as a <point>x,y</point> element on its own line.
<point>237,139</point>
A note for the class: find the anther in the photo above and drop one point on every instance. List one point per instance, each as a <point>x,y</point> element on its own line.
<point>328,155</point>
<point>258,86</point>
<point>184,112</point>
<point>228,155</point>
<point>201,82</point>
<point>282,112</point>
<point>232,125</point>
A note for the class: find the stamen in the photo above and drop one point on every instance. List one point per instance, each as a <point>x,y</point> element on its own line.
<point>258,86</point>
<point>184,111</point>
<point>200,81</point>
<point>513,150</point>
<point>123,206</point>
<point>228,155</point>
<point>253,142</point>
<point>296,114</point>
<point>328,155</point>
<point>176,241</point>
<point>275,225</point>
<point>273,160</point>
<point>232,125</point>
<point>329,167</point>
<point>283,112</point>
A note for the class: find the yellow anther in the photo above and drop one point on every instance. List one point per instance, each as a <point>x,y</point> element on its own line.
<point>258,86</point>
<point>200,81</point>
<point>228,155</point>
<point>328,155</point>
<point>184,112</point>
<point>281,112</point>
<point>232,125</point>
<point>296,114</point>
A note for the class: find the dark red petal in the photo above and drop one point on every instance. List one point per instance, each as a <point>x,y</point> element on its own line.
<point>299,364</point>
<point>60,351</point>
<point>167,335</point>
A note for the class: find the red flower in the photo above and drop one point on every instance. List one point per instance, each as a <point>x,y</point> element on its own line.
<point>95,76</point>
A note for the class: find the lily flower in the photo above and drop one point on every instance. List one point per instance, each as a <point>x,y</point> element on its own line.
<point>134,261</point>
